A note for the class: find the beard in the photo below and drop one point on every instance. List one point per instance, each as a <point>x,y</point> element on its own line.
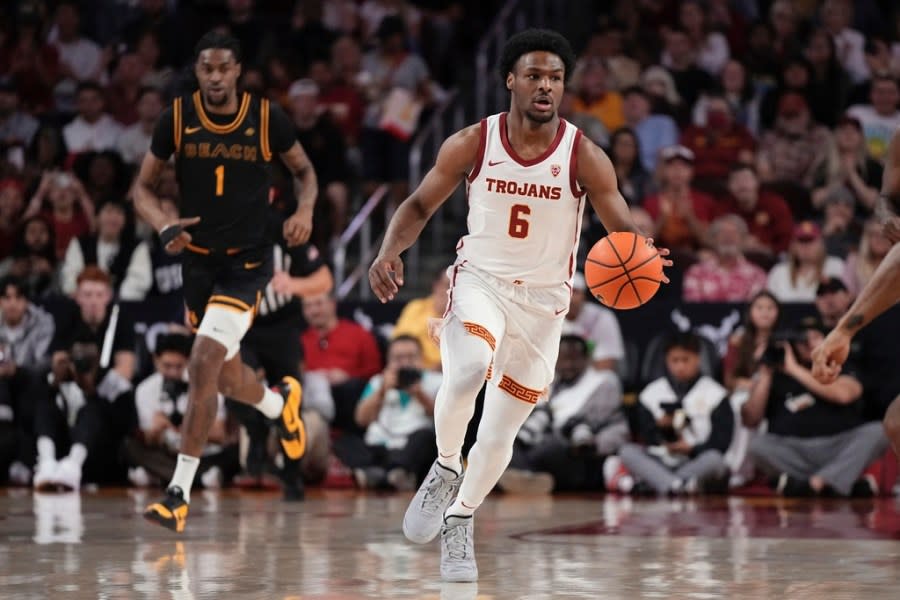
<point>539,117</point>
<point>213,102</point>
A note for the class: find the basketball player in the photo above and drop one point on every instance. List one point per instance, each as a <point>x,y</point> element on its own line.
<point>878,295</point>
<point>224,144</point>
<point>528,173</point>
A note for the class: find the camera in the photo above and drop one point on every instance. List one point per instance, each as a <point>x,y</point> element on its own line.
<point>172,389</point>
<point>407,377</point>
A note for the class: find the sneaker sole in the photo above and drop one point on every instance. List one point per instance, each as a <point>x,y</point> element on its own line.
<point>295,445</point>
<point>174,522</point>
<point>470,578</point>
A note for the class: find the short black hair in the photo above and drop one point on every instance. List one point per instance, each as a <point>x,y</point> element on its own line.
<point>536,40</point>
<point>14,282</point>
<point>173,342</point>
<point>742,166</point>
<point>405,337</point>
<point>682,340</point>
<point>88,85</point>
<point>149,89</point>
<point>576,340</point>
<point>220,41</point>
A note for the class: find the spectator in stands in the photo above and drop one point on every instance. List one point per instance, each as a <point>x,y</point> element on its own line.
<point>747,345</point>
<point>254,34</point>
<point>718,144</point>
<point>80,58</point>
<point>25,335</point>
<point>398,85</point>
<point>785,24</point>
<point>415,318</point>
<point>593,96</point>
<point>12,206</point>
<point>339,358</point>
<point>607,44</point>
<point>70,212</point>
<point>768,217</point>
<point>309,37</point>
<point>829,85</point>
<point>160,401</point>
<point>95,322</point>
<point>17,128</point>
<point>340,99</point>
<point>92,129</point>
<point>878,60</point>
<point>33,64</point>
<point>837,18</point>
<point>860,265</point>
<point>840,229</point>
<point>760,57</point>
<point>564,442</point>
<point>33,259</point>
<point>816,441</point>
<point>115,250</point>
<point>737,89</point>
<point>710,47</point>
<point>625,155</point>
<point>681,60</point>
<point>849,167</point>
<point>175,41</point>
<point>654,132</point>
<point>47,152</point>
<point>660,87</point>
<point>597,326</point>
<point>686,423</point>
<point>680,212</point>
<point>794,77</point>
<point>881,117</point>
<point>796,278</point>
<point>590,126</point>
<point>832,301</point>
<point>726,276</point>
<point>396,411</point>
<point>791,151</point>
<point>104,174</point>
<point>124,88</point>
<point>135,139</point>
<point>156,74</point>
<point>324,145</point>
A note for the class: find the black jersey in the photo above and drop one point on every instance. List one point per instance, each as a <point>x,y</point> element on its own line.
<point>223,166</point>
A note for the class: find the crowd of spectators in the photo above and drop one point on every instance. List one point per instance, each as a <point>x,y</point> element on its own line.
<point>748,137</point>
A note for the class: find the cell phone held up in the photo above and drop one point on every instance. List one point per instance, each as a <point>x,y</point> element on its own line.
<point>408,377</point>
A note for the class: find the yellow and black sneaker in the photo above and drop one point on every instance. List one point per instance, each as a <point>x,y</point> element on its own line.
<point>171,511</point>
<point>291,428</point>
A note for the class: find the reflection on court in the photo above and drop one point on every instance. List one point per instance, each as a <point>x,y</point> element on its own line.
<point>341,545</point>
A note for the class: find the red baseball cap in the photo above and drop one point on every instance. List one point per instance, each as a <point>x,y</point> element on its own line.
<point>807,231</point>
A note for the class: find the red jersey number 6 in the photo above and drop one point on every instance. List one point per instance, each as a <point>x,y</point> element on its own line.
<point>518,226</point>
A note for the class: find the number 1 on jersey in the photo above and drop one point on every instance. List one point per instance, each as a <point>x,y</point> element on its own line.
<point>518,227</point>
<point>220,180</point>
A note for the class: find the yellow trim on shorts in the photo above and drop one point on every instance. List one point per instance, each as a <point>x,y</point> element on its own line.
<point>228,300</point>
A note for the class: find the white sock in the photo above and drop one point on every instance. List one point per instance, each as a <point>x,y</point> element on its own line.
<point>271,404</point>
<point>460,509</point>
<point>185,469</point>
<point>46,449</point>
<point>78,453</point>
<point>452,462</point>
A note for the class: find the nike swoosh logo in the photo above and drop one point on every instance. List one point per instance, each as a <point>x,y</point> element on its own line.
<point>560,311</point>
<point>190,130</point>
<point>252,265</point>
<point>492,163</point>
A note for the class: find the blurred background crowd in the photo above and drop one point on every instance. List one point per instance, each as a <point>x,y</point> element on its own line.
<point>748,136</point>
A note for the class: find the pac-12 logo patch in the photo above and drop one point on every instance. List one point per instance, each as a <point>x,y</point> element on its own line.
<point>555,169</point>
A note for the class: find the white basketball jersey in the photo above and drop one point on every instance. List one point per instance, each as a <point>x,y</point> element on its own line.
<point>524,215</point>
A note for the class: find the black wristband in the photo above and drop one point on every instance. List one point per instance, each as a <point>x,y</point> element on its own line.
<point>169,233</point>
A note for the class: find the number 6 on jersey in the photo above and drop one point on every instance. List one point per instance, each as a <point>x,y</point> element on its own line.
<point>518,227</point>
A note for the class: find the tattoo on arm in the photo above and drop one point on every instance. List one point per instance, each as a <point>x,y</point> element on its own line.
<point>854,322</point>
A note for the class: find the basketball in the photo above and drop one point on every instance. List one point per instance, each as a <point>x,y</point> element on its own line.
<point>622,271</point>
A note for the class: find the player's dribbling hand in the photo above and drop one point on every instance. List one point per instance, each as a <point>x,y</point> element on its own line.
<point>830,356</point>
<point>386,277</point>
<point>663,252</point>
<point>182,239</point>
<point>298,227</point>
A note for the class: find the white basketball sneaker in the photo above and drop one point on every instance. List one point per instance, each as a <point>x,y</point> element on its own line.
<point>458,549</point>
<point>68,474</point>
<point>45,474</point>
<point>424,516</point>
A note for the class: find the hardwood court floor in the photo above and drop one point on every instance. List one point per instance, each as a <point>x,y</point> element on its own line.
<point>342,545</point>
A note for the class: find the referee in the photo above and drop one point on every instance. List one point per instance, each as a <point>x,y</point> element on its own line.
<point>273,343</point>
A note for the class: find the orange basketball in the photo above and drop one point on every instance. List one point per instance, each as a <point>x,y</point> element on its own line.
<point>622,271</point>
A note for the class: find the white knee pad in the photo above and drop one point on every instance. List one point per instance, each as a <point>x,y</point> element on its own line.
<point>226,326</point>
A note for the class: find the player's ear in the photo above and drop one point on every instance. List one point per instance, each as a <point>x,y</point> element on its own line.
<point>509,81</point>
<point>238,67</point>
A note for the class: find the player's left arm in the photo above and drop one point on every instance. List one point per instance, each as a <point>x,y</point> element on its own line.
<point>595,173</point>
<point>298,227</point>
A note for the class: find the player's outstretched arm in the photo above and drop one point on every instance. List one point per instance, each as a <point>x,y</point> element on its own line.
<point>881,293</point>
<point>146,203</point>
<point>455,158</point>
<point>596,175</point>
<point>298,227</point>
